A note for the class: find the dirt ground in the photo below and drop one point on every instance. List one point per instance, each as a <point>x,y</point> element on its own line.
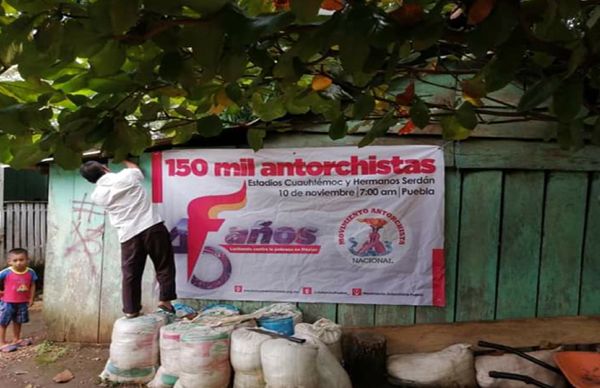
<point>36,365</point>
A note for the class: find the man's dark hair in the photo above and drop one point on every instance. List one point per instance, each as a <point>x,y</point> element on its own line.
<point>18,251</point>
<point>92,171</point>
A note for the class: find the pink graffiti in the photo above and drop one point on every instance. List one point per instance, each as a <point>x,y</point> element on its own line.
<point>87,237</point>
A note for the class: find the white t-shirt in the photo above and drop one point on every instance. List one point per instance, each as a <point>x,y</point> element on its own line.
<point>126,202</point>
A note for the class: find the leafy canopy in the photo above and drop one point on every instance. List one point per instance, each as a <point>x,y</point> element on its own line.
<point>118,74</point>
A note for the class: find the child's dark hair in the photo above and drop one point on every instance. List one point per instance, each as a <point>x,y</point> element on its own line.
<point>18,251</point>
<point>92,171</point>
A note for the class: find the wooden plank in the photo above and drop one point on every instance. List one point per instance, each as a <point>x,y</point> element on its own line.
<point>478,249</point>
<point>9,227</point>
<point>60,195</point>
<point>517,333</point>
<point>430,314</point>
<point>394,315</point>
<point>590,278</point>
<point>43,230</point>
<point>30,239</point>
<point>37,226</point>
<point>356,314</point>
<point>23,231</point>
<point>562,244</point>
<point>507,154</point>
<point>314,311</point>
<point>17,226</point>
<point>520,246</point>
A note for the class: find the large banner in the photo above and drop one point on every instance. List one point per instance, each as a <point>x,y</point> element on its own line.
<point>340,225</point>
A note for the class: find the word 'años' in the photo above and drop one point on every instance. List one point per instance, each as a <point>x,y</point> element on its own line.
<point>299,167</point>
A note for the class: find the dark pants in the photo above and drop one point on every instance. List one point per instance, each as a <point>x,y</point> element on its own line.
<point>156,243</point>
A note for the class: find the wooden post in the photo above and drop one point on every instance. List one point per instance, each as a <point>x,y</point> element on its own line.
<point>364,356</point>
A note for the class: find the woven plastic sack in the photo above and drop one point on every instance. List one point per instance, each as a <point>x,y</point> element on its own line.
<point>134,349</point>
<point>514,364</point>
<point>169,340</point>
<point>328,332</point>
<point>287,364</point>
<point>450,367</point>
<point>245,358</point>
<point>331,373</point>
<point>204,358</point>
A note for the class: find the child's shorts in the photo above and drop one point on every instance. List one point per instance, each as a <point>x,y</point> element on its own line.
<point>16,312</point>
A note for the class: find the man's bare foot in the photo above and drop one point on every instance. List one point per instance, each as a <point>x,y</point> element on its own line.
<point>166,306</point>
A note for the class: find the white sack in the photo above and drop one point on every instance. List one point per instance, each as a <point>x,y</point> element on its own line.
<point>514,364</point>
<point>450,367</point>
<point>328,332</point>
<point>289,365</point>
<point>331,373</point>
<point>245,358</point>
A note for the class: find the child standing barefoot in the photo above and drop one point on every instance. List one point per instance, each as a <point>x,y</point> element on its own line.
<point>18,282</point>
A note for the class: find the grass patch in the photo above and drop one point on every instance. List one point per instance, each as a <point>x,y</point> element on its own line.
<point>48,352</point>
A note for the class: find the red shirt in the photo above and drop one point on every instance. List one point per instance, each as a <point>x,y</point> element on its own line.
<point>17,285</point>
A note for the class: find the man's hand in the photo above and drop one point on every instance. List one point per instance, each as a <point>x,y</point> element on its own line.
<point>30,303</point>
<point>130,164</point>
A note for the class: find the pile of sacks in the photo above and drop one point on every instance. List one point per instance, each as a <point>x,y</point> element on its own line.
<point>456,366</point>
<point>208,350</point>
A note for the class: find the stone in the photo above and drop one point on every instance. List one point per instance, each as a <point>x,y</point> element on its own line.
<point>63,377</point>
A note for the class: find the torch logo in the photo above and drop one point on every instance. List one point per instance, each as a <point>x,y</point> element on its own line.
<point>203,215</point>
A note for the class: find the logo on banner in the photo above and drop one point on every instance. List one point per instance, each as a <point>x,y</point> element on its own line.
<point>372,238</point>
<point>203,219</point>
<point>266,238</point>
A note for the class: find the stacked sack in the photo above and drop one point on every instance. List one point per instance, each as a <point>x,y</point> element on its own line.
<point>204,358</point>
<point>288,364</point>
<point>245,358</point>
<point>326,331</point>
<point>170,337</point>
<point>134,349</point>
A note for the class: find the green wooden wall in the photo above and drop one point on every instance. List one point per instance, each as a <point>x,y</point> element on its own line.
<point>522,241</point>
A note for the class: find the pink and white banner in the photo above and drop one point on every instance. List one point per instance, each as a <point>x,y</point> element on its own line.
<point>338,225</point>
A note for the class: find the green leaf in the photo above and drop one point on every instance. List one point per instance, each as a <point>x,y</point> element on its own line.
<point>365,103</point>
<point>338,128</point>
<point>596,132</point>
<point>111,84</point>
<point>234,92</point>
<point>570,135</point>
<point>109,60</point>
<point>66,157</point>
<point>466,115</point>
<point>494,30</point>
<point>452,129</point>
<point>255,138</point>
<point>123,15</point>
<point>205,7</point>
<point>233,65</point>
<point>269,110</point>
<point>305,10</point>
<point>568,99</point>
<point>209,126</point>
<point>207,41</point>
<point>171,66</point>
<point>538,93</point>
<point>501,70</point>
<point>354,51</point>
<point>380,128</point>
<point>419,113</point>
<point>576,59</point>
<point>184,133</point>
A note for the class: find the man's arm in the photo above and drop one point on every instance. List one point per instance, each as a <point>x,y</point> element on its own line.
<point>130,164</point>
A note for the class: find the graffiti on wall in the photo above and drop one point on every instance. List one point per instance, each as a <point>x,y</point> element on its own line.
<point>87,231</point>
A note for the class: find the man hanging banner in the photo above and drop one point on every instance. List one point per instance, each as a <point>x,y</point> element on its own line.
<point>339,224</point>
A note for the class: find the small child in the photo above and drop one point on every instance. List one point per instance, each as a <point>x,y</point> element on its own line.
<point>18,285</point>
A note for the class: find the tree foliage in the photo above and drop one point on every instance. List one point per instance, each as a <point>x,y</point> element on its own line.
<point>117,74</point>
